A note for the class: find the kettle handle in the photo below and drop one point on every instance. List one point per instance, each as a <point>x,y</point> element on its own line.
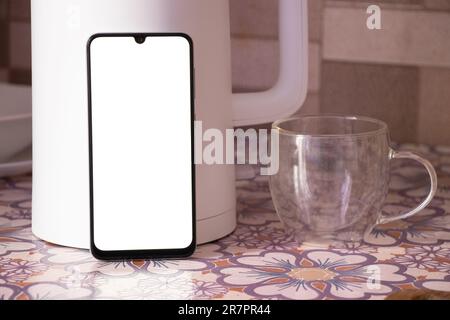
<point>289,92</point>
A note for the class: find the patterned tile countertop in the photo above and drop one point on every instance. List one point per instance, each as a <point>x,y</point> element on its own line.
<point>258,261</point>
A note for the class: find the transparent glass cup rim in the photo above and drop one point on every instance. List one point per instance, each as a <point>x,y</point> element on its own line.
<point>378,126</point>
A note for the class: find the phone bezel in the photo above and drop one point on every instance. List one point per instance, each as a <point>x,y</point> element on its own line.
<point>151,253</point>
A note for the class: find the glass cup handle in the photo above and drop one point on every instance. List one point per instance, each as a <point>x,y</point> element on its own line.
<point>433,178</point>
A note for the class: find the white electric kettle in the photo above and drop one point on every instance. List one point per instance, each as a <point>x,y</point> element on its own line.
<point>60,29</point>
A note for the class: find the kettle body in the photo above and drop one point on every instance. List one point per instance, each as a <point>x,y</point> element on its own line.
<point>60,30</point>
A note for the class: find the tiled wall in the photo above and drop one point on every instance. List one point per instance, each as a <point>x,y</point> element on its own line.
<point>15,41</point>
<point>400,74</point>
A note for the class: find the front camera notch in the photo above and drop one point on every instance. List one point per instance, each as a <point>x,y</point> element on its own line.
<point>139,39</point>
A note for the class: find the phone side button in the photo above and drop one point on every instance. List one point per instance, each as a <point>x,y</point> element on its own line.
<point>193,85</point>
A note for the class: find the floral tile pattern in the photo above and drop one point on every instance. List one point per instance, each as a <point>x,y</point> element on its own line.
<point>257,261</point>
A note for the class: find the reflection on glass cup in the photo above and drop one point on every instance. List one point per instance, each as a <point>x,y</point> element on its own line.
<point>333,177</point>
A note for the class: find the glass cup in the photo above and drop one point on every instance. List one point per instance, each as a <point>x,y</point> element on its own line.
<point>333,177</point>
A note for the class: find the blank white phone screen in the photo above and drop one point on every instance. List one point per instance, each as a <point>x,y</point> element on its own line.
<point>141,143</point>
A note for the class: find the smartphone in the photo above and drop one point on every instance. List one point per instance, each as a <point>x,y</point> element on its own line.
<point>141,145</point>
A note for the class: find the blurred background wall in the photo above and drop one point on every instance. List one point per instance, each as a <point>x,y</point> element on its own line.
<point>400,74</point>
